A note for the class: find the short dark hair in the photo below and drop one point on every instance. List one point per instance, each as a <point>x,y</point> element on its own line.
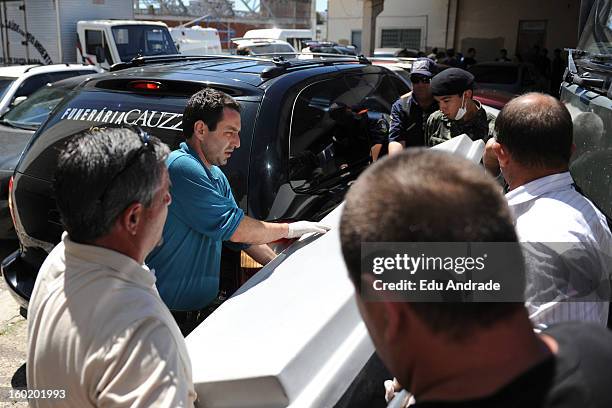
<point>537,130</point>
<point>100,173</point>
<point>206,105</point>
<point>428,196</point>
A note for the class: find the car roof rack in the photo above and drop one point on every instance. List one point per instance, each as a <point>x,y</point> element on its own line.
<point>32,67</point>
<point>156,59</point>
<point>281,65</point>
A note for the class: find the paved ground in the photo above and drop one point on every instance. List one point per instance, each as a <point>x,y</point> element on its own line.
<point>12,340</point>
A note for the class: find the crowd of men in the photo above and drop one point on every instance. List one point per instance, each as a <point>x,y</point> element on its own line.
<point>138,265</point>
<point>551,70</point>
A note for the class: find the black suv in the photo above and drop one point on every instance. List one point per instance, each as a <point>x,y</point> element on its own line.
<point>297,155</point>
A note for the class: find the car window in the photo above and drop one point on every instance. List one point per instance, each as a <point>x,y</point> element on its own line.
<point>34,110</point>
<point>375,92</point>
<point>143,40</point>
<point>95,39</point>
<point>271,49</point>
<point>495,74</point>
<point>328,136</point>
<point>591,165</point>
<point>31,84</point>
<point>160,116</point>
<point>5,84</point>
<point>58,76</point>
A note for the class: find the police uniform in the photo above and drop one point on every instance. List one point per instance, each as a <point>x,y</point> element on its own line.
<point>439,128</point>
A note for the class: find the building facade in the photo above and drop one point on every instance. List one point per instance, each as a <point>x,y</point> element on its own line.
<point>460,24</point>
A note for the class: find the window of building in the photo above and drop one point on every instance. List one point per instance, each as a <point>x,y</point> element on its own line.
<point>356,39</point>
<point>401,38</point>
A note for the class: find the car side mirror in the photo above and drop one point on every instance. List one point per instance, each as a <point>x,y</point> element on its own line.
<point>18,100</point>
<point>100,54</point>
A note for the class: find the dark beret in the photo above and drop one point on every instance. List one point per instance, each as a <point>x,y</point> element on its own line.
<point>451,81</point>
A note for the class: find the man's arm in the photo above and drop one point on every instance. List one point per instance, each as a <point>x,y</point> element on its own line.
<point>252,231</point>
<point>261,253</point>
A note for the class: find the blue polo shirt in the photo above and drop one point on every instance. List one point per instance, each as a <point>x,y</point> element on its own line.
<point>202,215</point>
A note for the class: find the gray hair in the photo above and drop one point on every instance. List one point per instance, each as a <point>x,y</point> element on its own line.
<point>100,173</point>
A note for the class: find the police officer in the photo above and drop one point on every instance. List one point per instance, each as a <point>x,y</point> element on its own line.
<point>459,113</point>
<point>410,112</point>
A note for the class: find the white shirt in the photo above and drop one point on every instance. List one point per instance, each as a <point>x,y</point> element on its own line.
<point>98,330</point>
<point>550,210</point>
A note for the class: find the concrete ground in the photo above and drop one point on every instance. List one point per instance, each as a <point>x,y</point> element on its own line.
<point>13,340</point>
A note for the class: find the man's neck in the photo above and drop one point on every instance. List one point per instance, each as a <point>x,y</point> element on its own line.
<point>124,245</point>
<point>193,144</point>
<point>527,175</point>
<point>471,110</point>
<point>480,365</point>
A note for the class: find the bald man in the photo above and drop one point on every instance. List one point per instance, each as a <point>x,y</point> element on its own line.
<point>570,243</point>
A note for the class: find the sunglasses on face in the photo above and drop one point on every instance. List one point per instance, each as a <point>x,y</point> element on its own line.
<point>420,80</point>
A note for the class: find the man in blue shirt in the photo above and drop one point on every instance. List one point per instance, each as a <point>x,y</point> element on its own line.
<point>203,213</point>
<point>410,112</point>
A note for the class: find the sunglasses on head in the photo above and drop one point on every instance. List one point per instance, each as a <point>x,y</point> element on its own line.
<point>135,155</point>
<point>417,79</point>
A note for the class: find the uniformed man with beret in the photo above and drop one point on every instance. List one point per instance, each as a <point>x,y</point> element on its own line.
<point>459,113</point>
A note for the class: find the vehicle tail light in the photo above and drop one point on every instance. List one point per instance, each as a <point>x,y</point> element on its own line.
<point>145,85</point>
<point>10,200</point>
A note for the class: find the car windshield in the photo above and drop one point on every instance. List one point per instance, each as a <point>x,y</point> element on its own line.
<point>34,110</point>
<point>495,74</point>
<point>597,33</point>
<point>5,83</point>
<point>142,40</point>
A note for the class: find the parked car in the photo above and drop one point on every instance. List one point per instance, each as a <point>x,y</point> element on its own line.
<point>296,160</point>
<point>512,77</point>
<point>400,67</point>
<point>18,82</point>
<point>328,47</point>
<point>263,46</point>
<point>395,52</point>
<point>492,97</point>
<point>16,127</point>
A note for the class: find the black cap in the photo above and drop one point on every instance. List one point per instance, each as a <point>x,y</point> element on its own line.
<point>451,81</point>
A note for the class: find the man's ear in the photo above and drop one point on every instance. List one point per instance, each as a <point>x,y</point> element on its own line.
<point>395,321</point>
<point>503,156</point>
<point>200,129</point>
<point>469,94</point>
<point>131,218</point>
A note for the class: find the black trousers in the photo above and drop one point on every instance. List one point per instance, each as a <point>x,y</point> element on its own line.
<point>188,320</point>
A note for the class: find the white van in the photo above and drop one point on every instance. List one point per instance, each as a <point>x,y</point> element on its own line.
<point>196,40</point>
<point>107,42</point>
<point>295,37</point>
